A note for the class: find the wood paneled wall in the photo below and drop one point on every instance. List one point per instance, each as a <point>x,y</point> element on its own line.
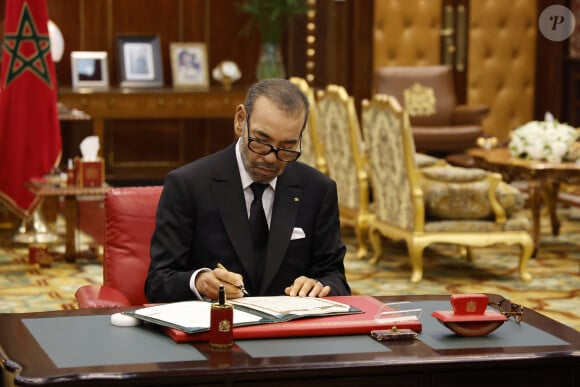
<point>344,36</point>
<point>93,25</point>
<point>344,45</point>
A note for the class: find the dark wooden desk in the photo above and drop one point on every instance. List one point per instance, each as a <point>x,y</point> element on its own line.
<point>408,363</point>
<point>544,179</point>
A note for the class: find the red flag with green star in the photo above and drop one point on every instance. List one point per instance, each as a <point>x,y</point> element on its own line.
<point>30,143</point>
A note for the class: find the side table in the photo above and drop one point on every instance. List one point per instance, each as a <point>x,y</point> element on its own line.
<point>544,179</point>
<point>71,211</point>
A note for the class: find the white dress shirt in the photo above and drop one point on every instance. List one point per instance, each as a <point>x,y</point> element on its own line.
<point>267,202</point>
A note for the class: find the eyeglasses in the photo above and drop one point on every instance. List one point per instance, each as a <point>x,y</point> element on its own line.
<point>509,309</point>
<point>263,148</point>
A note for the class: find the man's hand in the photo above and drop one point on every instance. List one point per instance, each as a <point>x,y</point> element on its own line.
<point>207,283</point>
<point>307,287</point>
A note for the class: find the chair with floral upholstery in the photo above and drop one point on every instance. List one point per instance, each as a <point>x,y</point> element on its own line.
<point>437,204</point>
<point>312,149</point>
<point>339,132</point>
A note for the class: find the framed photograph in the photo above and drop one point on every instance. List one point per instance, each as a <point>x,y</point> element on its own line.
<point>139,61</point>
<point>89,69</point>
<point>189,64</point>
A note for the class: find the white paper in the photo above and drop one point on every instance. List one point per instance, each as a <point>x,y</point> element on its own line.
<point>284,305</point>
<point>191,314</point>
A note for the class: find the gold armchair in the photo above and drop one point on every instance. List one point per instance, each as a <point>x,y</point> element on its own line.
<point>312,150</point>
<point>339,132</point>
<point>400,211</point>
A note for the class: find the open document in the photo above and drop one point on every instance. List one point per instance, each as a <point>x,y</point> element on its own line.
<point>285,308</point>
<point>194,316</point>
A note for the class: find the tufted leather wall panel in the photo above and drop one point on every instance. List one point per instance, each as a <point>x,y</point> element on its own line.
<point>501,62</point>
<point>405,32</point>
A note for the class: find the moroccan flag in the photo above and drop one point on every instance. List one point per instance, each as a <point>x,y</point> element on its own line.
<point>30,143</point>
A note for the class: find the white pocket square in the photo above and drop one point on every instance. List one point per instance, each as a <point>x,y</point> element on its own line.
<point>297,233</point>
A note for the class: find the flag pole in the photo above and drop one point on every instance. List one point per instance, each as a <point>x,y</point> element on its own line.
<point>34,229</point>
<point>29,124</point>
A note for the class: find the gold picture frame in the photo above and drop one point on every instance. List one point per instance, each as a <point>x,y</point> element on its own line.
<point>189,65</point>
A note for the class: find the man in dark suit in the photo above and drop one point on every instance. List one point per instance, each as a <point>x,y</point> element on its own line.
<point>204,218</point>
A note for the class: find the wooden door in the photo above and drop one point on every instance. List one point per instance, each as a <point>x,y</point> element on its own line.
<point>490,45</point>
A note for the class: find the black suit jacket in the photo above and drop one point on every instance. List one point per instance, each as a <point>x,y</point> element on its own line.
<point>202,220</point>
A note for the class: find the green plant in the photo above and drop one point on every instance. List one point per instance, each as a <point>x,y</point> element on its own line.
<point>271,16</point>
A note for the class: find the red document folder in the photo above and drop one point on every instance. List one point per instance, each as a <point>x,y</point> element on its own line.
<point>350,324</point>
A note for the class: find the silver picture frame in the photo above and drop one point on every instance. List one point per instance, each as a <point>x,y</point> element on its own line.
<point>89,69</point>
<point>140,62</point>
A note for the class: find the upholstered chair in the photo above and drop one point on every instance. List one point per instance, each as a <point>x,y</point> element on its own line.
<point>452,193</point>
<point>424,160</point>
<point>339,132</point>
<point>440,126</point>
<point>464,211</point>
<point>459,192</point>
<point>129,223</point>
<point>312,149</point>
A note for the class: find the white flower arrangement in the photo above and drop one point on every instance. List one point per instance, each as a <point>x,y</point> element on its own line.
<point>547,140</point>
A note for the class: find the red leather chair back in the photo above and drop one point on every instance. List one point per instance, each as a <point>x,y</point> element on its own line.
<point>129,223</point>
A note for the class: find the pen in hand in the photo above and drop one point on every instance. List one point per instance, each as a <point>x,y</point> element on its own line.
<point>241,287</point>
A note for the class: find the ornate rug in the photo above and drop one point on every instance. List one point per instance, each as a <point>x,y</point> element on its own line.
<point>554,291</point>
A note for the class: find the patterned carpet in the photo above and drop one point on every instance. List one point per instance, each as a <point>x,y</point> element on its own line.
<point>555,290</point>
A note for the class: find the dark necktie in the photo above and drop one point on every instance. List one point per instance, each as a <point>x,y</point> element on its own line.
<point>259,229</point>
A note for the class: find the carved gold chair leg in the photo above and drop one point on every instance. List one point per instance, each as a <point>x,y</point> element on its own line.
<point>376,243</point>
<point>416,246</point>
<point>467,252</point>
<point>362,251</point>
<point>527,246</point>
<point>361,231</point>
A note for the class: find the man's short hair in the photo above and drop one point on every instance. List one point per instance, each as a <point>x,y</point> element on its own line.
<point>284,94</point>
